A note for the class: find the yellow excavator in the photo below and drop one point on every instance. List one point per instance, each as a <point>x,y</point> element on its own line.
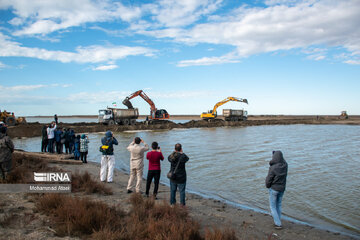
<point>212,114</point>
<point>9,118</point>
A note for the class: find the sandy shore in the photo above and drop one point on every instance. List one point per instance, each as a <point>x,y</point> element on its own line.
<point>246,223</point>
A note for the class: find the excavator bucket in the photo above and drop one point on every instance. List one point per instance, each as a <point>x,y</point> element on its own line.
<point>127,103</point>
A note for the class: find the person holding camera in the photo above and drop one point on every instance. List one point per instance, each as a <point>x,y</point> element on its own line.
<point>178,160</point>
<point>154,157</point>
<point>107,159</point>
<point>136,164</point>
<point>51,136</point>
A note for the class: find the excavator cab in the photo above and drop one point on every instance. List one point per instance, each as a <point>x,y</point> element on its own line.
<point>161,114</point>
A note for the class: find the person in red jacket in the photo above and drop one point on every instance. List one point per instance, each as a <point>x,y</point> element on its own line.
<point>154,158</point>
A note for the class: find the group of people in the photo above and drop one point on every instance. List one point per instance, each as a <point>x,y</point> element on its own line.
<point>64,140</point>
<point>137,149</point>
<point>275,180</point>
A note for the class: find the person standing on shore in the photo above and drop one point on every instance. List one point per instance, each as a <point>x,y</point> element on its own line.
<point>56,119</point>
<point>84,146</point>
<point>178,160</point>
<point>44,139</point>
<point>6,150</point>
<point>50,133</point>
<point>136,164</point>
<point>107,159</point>
<point>58,134</point>
<point>154,171</point>
<point>77,148</point>
<point>276,183</point>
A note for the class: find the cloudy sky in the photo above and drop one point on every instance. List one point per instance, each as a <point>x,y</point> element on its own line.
<point>75,57</point>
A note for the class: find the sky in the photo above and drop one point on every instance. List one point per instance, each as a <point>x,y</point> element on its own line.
<point>71,57</point>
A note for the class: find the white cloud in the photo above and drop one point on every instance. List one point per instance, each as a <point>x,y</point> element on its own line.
<point>207,61</point>
<point>23,88</point>
<point>105,67</point>
<point>43,17</point>
<point>275,28</point>
<point>90,54</point>
<point>281,25</point>
<point>2,65</point>
<point>353,62</point>
<point>174,13</point>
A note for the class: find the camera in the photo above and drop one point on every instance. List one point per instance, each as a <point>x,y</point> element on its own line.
<point>158,147</point>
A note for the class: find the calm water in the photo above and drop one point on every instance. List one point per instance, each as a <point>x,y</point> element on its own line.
<point>231,164</point>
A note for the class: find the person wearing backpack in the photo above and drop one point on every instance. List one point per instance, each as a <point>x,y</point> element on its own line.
<point>107,159</point>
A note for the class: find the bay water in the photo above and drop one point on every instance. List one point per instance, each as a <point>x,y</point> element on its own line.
<point>230,164</point>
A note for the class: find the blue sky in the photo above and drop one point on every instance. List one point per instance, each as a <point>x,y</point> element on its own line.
<point>75,57</point>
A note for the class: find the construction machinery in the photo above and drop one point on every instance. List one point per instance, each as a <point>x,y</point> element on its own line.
<point>212,114</point>
<point>155,114</point>
<point>110,116</point>
<point>344,115</point>
<point>9,118</point>
<point>234,115</point>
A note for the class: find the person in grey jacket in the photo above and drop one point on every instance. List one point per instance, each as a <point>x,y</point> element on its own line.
<point>6,150</point>
<point>276,183</point>
<point>136,164</point>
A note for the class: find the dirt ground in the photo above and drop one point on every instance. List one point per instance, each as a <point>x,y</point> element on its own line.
<point>34,129</point>
<point>23,222</point>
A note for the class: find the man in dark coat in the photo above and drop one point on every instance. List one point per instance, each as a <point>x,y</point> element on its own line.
<point>44,139</point>
<point>6,150</point>
<point>276,183</point>
<point>175,158</point>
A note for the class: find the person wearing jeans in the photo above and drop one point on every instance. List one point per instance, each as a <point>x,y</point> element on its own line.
<point>276,183</point>
<point>180,174</point>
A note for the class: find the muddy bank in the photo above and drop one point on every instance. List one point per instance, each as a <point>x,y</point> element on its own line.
<point>27,223</point>
<point>34,129</point>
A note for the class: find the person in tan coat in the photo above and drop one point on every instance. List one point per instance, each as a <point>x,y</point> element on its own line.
<point>136,164</point>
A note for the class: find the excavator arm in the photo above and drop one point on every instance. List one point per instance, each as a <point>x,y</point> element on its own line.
<point>228,99</point>
<point>213,113</point>
<point>140,93</point>
<point>155,114</point>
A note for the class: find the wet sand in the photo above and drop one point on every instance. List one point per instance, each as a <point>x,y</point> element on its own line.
<point>246,223</point>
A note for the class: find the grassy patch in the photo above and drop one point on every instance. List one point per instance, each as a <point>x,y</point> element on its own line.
<point>85,183</point>
<point>146,220</point>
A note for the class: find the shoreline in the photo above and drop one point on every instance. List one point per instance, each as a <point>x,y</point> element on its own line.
<point>34,129</point>
<point>247,223</point>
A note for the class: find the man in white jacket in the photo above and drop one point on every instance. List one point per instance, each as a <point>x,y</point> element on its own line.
<point>50,133</point>
<point>136,164</point>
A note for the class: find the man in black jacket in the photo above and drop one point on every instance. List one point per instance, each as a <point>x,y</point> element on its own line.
<point>276,183</point>
<point>178,158</point>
